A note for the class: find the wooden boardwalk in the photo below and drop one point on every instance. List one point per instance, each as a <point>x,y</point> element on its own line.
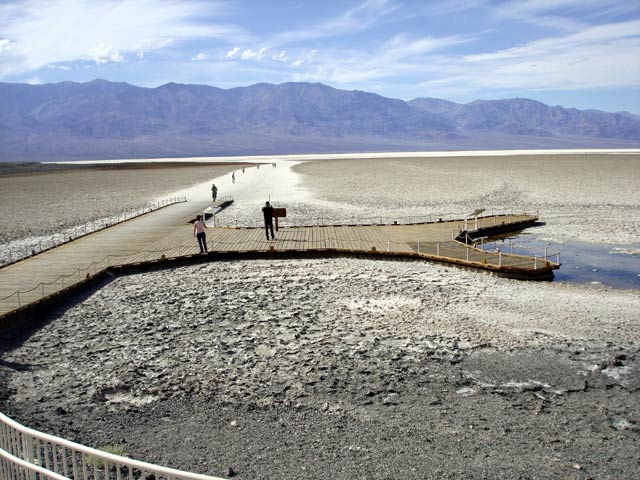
<point>167,233</point>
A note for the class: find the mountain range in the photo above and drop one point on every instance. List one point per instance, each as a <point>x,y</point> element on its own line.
<point>102,119</point>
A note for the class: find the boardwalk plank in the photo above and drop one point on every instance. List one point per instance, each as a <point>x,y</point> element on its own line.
<point>168,232</point>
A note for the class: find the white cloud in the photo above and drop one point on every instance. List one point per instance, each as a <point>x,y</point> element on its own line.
<point>601,56</point>
<point>401,46</point>
<point>362,17</point>
<point>305,57</point>
<point>238,53</point>
<point>281,56</point>
<point>5,45</point>
<point>55,66</point>
<point>104,54</point>
<point>560,14</point>
<point>43,32</point>
<point>233,53</point>
<point>34,81</point>
<point>200,57</point>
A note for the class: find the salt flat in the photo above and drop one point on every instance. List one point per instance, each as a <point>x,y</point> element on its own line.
<point>356,368</point>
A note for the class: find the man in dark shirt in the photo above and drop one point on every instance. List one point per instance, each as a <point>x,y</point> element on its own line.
<point>267,212</point>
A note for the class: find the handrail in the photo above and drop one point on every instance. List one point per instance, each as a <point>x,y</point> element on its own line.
<point>376,220</point>
<point>17,445</point>
<point>538,262</point>
<point>27,466</point>
<point>79,231</point>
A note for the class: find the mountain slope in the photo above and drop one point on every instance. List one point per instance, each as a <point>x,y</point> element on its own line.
<point>101,119</point>
<point>528,117</point>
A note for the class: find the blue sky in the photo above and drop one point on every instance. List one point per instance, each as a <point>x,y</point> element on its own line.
<point>574,53</point>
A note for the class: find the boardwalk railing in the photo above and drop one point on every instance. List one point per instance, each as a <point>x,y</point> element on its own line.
<point>26,454</point>
<point>227,221</point>
<point>19,250</point>
<point>509,246</point>
<point>445,250</point>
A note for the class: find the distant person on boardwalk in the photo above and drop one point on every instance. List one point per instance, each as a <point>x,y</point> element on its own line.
<point>242,169</point>
<point>214,192</point>
<point>198,231</point>
<point>267,212</point>
<point>233,177</point>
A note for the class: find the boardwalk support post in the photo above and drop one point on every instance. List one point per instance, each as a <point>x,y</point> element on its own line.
<point>499,259</point>
<point>418,246</point>
<point>535,262</point>
<point>438,249</point>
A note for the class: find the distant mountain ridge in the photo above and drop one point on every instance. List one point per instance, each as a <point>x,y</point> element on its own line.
<point>102,119</point>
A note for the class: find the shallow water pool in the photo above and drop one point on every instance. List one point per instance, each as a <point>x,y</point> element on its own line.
<point>613,265</point>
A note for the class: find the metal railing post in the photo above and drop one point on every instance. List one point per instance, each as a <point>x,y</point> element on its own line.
<point>467,253</point>
<point>535,262</point>
<point>418,246</point>
<point>499,259</point>
<point>438,249</point>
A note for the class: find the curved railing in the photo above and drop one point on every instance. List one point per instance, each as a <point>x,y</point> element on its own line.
<point>26,454</point>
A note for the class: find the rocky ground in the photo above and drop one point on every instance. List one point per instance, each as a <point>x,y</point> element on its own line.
<point>340,368</point>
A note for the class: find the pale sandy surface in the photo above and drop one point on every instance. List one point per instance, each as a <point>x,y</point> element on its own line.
<point>594,198</point>
<point>36,206</point>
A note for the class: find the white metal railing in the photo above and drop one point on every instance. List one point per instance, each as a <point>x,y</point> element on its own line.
<point>20,249</point>
<point>26,454</point>
<point>537,251</point>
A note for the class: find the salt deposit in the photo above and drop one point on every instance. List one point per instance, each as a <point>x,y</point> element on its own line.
<point>351,368</point>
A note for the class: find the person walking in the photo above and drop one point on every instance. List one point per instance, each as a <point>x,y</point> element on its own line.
<point>214,192</point>
<point>198,231</point>
<point>267,212</point>
<point>233,177</point>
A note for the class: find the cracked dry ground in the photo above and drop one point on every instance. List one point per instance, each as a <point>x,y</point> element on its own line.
<point>340,368</point>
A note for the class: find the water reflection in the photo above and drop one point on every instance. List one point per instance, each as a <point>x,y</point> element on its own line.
<point>613,265</point>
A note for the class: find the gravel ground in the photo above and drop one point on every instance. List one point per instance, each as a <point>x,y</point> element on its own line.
<point>341,368</point>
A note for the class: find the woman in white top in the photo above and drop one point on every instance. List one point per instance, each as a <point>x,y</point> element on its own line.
<point>198,231</point>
